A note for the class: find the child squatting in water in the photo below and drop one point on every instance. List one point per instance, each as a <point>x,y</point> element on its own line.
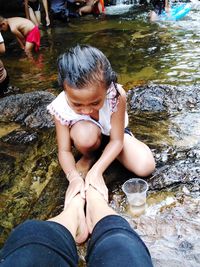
<point>90,110</point>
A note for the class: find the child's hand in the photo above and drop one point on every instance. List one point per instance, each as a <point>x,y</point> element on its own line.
<point>76,185</point>
<point>96,180</point>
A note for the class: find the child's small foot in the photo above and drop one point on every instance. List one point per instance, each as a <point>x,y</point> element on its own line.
<point>84,164</point>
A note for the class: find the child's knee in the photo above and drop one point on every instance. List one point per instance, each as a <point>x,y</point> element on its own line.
<point>146,165</point>
<point>86,141</point>
<point>85,135</point>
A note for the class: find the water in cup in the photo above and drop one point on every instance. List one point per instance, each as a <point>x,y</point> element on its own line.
<point>135,190</point>
<point>137,205</point>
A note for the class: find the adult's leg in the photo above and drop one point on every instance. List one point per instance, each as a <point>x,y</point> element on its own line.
<point>38,17</point>
<point>113,242</point>
<point>46,10</point>
<point>47,243</point>
<point>136,156</point>
<point>35,19</point>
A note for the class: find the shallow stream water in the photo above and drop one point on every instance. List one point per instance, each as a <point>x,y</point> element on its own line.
<point>140,52</point>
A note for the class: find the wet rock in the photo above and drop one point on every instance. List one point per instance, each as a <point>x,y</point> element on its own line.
<point>169,227</point>
<point>185,246</point>
<point>164,98</point>
<point>165,117</point>
<point>175,175</point>
<point>6,170</point>
<point>30,178</point>
<point>154,102</point>
<point>29,109</point>
<point>171,231</point>
<point>10,91</point>
<point>20,137</point>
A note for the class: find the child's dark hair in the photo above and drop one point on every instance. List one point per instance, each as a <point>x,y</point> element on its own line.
<point>83,65</point>
<point>1,19</point>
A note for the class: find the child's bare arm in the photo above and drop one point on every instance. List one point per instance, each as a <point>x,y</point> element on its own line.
<point>20,38</point>
<point>67,161</point>
<point>2,48</point>
<point>64,147</point>
<point>21,43</point>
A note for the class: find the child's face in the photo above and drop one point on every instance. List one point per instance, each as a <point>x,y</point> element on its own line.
<point>85,101</point>
<point>3,26</point>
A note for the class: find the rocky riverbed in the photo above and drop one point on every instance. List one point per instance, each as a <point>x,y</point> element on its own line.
<point>165,117</point>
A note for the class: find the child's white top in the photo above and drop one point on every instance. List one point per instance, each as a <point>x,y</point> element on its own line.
<point>1,39</point>
<point>60,108</point>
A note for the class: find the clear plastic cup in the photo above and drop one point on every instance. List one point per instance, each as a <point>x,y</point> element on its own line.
<point>136,193</point>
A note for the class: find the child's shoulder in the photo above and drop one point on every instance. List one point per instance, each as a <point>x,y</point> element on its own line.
<point>60,99</point>
<point>121,89</point>
<point>18,20</point>
<point>114,88</point>
<point>20,24</point>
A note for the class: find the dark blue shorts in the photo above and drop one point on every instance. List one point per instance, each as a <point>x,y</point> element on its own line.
<point>106,138</point>
<point>49,244</point>
<point>34,5</point>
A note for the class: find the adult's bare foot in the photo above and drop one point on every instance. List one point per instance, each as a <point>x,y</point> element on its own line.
<point>96,208</point>
<point>73,218</point>
<point>82,230</point>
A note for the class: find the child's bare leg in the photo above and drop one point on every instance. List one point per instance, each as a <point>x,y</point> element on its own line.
<point>84,164</point>
<point>45,4</point>
<point>86,137</point>
<point>85,9</point>
<point>73,218</point>
<point>136,156</point>
<point>100,8</point>
<point>97,208</point>
<point>28,49</point>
